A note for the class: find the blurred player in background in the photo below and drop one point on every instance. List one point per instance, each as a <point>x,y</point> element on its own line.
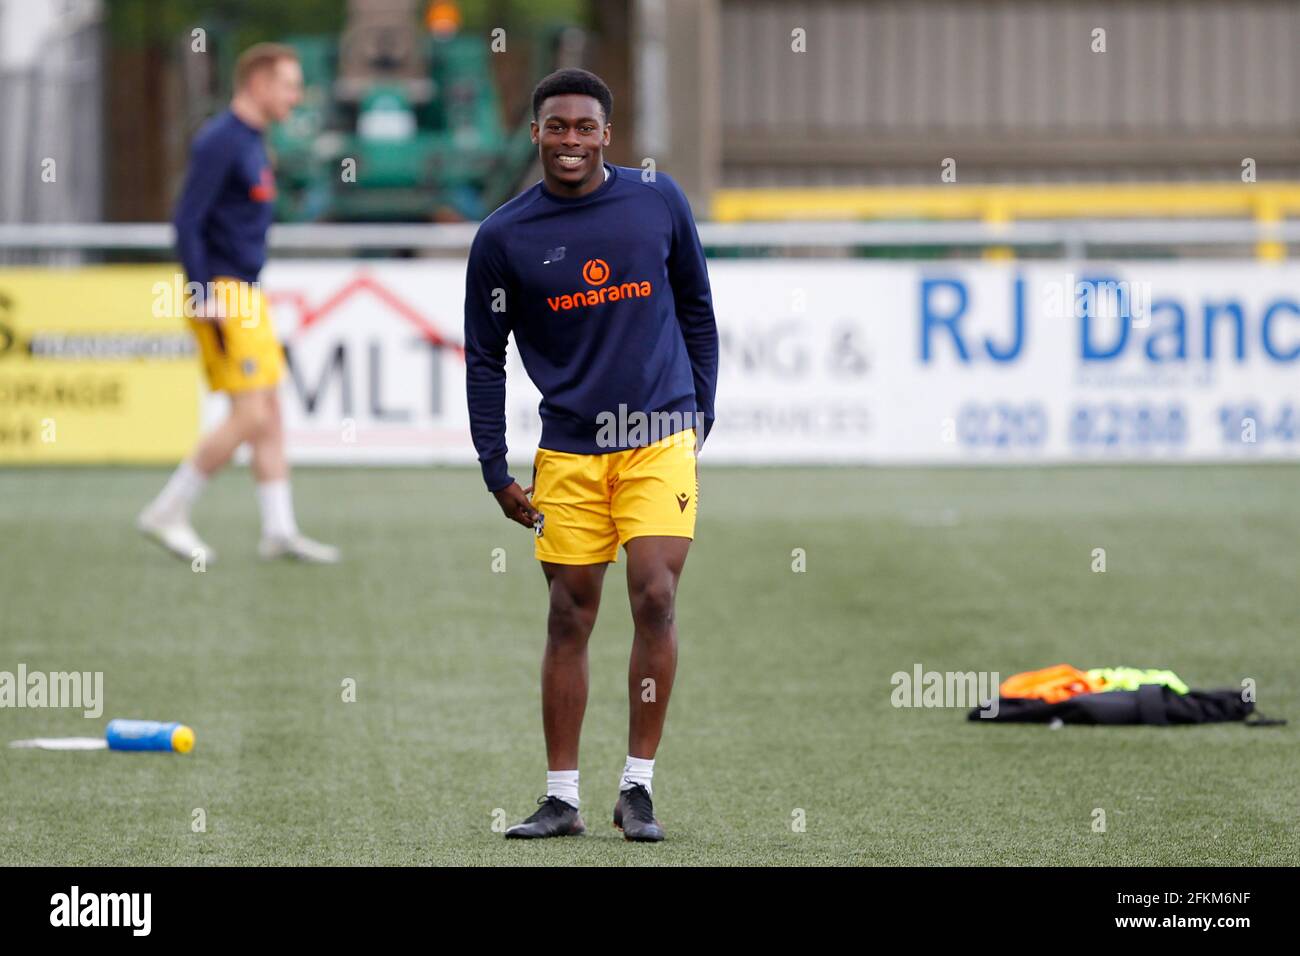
<point>221,219</point>
<point>599,273</point>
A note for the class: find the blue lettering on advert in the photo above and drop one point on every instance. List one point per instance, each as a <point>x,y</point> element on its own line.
<point>1266,333</point>
<point>931,320</point>
<point>1009,354</point>
<point>1089,290</point>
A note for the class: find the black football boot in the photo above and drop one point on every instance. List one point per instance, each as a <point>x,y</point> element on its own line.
<point>553,818</point>
<point>634,814</point>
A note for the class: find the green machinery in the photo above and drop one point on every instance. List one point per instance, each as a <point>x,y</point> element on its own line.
<point>420,138</point>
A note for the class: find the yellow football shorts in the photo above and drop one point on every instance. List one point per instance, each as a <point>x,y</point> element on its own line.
<point>240,351</point>
<point>593,503</point>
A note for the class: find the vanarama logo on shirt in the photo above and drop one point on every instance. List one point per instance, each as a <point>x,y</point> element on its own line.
<point>596,272</point>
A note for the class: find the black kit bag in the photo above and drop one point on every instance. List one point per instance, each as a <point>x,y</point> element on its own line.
<point>1152,704</point>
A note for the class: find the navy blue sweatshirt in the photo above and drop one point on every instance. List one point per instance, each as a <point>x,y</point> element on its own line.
<point>608,298</point>
<point>227,203</point>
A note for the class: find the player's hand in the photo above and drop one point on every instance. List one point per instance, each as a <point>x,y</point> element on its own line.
<point>515,504</point>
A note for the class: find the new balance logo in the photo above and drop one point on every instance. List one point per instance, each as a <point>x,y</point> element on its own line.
<point>553,255</point>
<point>683,501</point>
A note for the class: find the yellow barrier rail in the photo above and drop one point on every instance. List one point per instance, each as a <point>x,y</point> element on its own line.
<point>1266,203</point>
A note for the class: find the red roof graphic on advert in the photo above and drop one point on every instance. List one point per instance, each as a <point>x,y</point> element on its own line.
<point>310,316</point>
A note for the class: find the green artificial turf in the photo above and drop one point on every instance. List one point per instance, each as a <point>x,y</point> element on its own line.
<point>782,703</point>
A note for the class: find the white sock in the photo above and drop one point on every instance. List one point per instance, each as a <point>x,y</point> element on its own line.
<point>276,502</point>
<point>563,784</point>
<point>637,771</point>
<point>181,491</point>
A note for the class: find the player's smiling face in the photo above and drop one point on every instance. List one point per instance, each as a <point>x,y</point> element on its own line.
<point>571,135</point>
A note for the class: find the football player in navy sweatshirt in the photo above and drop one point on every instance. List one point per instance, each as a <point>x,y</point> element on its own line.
<point>598,273</point>
<point>222,217</point>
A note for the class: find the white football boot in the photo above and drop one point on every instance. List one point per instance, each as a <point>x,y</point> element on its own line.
<point>174,533</point>
<point>297,547</point>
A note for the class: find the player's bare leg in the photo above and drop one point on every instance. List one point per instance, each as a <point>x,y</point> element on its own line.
<point>575,600</point>
<point>249,416</point>
<point>280,535</point>
<point>267,444</point>
<point>654,566</point>
<point>166,519</point>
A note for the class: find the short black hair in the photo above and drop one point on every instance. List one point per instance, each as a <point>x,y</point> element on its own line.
<point>573,81</point>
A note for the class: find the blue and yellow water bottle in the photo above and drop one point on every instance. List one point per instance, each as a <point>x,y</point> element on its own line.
<point>149,735</point>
